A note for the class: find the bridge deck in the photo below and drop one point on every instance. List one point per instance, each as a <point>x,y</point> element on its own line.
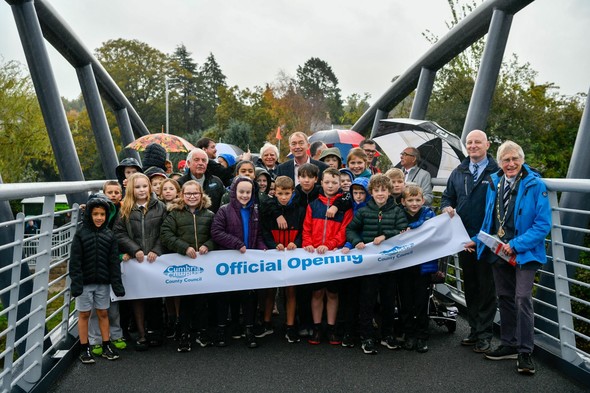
<point>280,367</point>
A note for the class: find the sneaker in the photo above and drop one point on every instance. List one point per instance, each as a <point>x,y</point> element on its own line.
<point>305,332</point>
<point>250,338</point>
<point>220,339</point>
<point>503,352</point>
<point>469,341</point>
<point>184,344</point>
<point>315,339</point>
<point>237,332</point>
<point>170,331</point>
<point>525,364</point>
<point>410,344</point>
<point>368,346</point>
<point>141,345</point>
<point>203,339</point>
<point>292,336</point>
<point>155,338</point>
<point>108,352</point>
<point>119,343</point>
<point>86,356</point>
<point>421,345</point>
<point>97,350</point>
<point>264,330</point>
<point>390,342</point>
<point>482,346</point>
<point>348,341</point>
<point>333,337</point>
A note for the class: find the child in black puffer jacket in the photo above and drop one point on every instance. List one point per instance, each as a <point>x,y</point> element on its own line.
<point>94,269</point>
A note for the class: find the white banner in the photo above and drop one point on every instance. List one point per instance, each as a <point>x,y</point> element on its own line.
<point>229,270</point>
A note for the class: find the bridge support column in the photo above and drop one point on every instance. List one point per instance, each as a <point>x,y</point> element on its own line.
<point>45,85</point>
<point>126,132</point>
<point>98,120</point>
<point>423,92</point>
<point>380,114</point>
<point>487,76</point>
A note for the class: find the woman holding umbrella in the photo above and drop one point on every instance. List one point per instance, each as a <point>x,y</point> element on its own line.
<point>269,159</point>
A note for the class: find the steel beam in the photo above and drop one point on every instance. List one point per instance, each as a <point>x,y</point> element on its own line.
<point>423,92</point>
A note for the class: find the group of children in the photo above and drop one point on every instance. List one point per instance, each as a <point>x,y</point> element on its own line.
<point>341,209</point>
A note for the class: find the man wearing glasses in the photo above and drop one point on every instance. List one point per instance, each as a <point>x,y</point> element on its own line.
<point>409,159</point>
<point>299,146</point>
<point>370,148</point>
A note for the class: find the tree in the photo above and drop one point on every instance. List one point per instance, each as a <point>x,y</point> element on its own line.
<point>317,83</point>
<point>354,107</point>
<point>211,79</point>
<point>184,116</point>
<point>238,133</point>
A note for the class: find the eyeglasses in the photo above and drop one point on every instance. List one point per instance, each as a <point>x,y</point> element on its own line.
<point>369,151</point>
<point>192,194</point>
<point>403,154</point>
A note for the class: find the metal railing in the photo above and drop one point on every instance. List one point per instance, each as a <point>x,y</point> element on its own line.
<point>50,319</point>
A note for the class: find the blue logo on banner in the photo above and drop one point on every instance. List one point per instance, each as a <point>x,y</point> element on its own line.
<point>182,271</point>
<point>397,249</point>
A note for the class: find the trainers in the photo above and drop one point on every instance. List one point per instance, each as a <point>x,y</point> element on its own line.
<point>108,352</point>
<point>220,339</point>
<point>264,330</point>
<point>250,338</point>
<point>368,346</point>
<point>97,350</point>
<point>203,339</point>
<point>503,352</point>
<point>86,356</point>
<point>469,341</point>
<point>141,345</point>
<point>184,344</point>
<point>314,339</point>
<point>348,341</point>
<point>333,337</point>
<point>525,364</point>
<point>410,344</point>
<point>305,332</point>
<point>120,343</point>
<point>390,342</point>
<point>421,345</point>
<point>237,332</point>
<point>292,336</point>
<point>482,346</point>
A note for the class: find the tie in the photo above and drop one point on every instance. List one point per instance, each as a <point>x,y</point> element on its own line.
<point>506,197</point>
<point>475,172</point>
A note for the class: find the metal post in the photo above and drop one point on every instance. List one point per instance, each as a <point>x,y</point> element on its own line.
<point>167,119</point>
<point>380,114</point>
<point>126,133</point>
<point>45,85</point>
<point>98,120</point>
<point>423,92</point>
<point>487,76</point>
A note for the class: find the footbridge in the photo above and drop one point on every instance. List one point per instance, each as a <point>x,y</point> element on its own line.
<point>38,339</point>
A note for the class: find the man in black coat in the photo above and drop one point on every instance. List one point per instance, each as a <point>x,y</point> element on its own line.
<point>216,169</point>
<point>299,146</point>
<point>197,161</point>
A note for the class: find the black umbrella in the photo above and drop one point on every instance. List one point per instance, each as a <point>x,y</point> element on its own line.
<point>440,150</point>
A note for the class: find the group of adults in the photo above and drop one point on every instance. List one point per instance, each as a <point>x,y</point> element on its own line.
<point>502,197</point>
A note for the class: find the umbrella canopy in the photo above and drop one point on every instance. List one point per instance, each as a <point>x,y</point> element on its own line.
<point>344,140</point>
<point>226,148</point>
<point>440,150</point>
<point>172,143</point>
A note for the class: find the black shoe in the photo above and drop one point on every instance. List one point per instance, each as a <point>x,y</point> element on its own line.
<point>86,356</point>
<point>250,338</point>
<point>333,337</point>
<point>264,330</point>
<point>348,341</point>
<point>315,338</point>
<point>368,346</point>
<point>482,346</point>
<point>141,345</point>
<point>184,344</point>
<point>469,341</point>
<point>421,345</point>
<point>237,332</point>
<point>410,344</point>
<point>503,352</point>
<point>390,342</point>
<point>220,339</point>
<point>170,331</point>
<point>291,335</point>
<point>108,352</point>
<point>203,339</point>
<point>154,338</point>
<point>525,364</point>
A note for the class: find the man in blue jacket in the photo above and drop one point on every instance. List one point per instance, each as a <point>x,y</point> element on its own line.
<point>466,194</point>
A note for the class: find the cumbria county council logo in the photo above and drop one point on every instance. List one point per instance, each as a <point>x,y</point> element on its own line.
<point>397,249</point>
<point>182,271</point>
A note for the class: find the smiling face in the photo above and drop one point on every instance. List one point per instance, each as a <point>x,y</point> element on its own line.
<point>413,203</point>
<point>262,183</point>
<point>141,190</point>
<point>99,216</point>
<point>244,193</point>
<point>191,196</point>
<point>511,163</point>
<point>269,158</point>
<point>298,146</point>
<point>345,182</point>
<point>168,192</point>
<point>477,145</point>
<point>357,165</point>
<point>380,195</point>
<point>247,170</point>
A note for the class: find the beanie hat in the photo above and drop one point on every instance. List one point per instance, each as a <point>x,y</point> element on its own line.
<point>181,165</point>
<point>155,155</point>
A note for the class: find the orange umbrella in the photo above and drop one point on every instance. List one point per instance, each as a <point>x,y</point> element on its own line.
<point>172,143</point>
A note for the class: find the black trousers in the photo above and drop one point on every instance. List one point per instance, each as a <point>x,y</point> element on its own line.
<point>414,294</point>
<point>377,286</point>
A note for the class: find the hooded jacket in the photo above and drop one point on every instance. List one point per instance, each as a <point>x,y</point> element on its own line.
<point>293,213</point>
<point>320,230</point>
<point>182,229</point>
<point>372,221</point>
<point>126,162</point>
<point>228,225</point>
<point>532,217</point>
<point>94,256</point>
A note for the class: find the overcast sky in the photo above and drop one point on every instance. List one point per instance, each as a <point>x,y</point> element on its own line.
<point>366,43</point>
